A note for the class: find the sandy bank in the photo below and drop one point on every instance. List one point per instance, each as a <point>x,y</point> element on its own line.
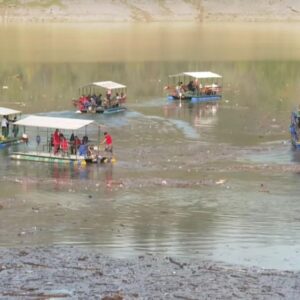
<point>77,273</point>
<point>149,11</point>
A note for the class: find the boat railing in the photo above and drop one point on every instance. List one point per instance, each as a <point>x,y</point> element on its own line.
<point>184,91</point>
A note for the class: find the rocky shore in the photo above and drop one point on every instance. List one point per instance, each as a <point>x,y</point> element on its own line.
<point>149,11</point>
<point>66,272</point>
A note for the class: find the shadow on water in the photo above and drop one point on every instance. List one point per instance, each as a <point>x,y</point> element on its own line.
<point>295,155</point>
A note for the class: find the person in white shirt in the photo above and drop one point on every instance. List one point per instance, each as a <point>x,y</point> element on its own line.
<point>4,125</point>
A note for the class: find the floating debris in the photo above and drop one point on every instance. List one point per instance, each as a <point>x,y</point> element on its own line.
<point>221,181</point>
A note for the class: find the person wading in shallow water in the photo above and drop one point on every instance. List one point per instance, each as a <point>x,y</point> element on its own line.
<point>108,143</point>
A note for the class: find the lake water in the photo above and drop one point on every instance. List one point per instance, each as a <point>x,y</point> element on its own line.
<point>214,182</point>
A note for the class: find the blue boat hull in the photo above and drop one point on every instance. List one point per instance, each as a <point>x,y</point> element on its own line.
<point>199,99</point>
<point>98,110</point>
<point>107,111</point>
<point>205,99</point>
<point>114,110</point>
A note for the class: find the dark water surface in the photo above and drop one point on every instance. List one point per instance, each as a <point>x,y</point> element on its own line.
<point>210,181</point>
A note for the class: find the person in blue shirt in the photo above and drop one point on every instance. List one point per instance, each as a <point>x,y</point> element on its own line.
<point>82,151</point>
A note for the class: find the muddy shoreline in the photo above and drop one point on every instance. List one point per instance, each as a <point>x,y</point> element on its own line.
<point>69,272</point>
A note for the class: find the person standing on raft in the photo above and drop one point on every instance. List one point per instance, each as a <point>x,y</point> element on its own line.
<point>108,143</point>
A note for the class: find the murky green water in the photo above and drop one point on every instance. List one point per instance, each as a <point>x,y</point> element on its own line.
<point>188,178</point>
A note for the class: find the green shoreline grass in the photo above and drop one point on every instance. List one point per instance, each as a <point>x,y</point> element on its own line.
<point>31,4</point>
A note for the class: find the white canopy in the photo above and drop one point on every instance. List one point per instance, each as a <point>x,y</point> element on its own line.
<point>198,75</point>
<point>110,85</point>
<point>7,111</point>
<point>53,122</point>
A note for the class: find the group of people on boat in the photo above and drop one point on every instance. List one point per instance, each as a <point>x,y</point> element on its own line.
<point>59,142</point>
<point>93,102</point>
<point>88,102</point>
<point>5,127</point>
<point>74,145</point>
<point>77,146</point>
<point>194,87</point>
<point>113,100</point>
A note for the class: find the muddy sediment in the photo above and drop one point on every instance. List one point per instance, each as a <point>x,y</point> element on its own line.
<point>205,166</point>
<point>67,272</point>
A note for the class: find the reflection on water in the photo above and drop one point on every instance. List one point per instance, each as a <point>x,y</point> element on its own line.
<point>188,177</point>
<point>191,118</point>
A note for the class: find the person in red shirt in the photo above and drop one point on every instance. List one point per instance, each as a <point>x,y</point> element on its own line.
<point>77,143</point>
<point>108,142</point>
<point>64,145</point>
<point>56,141</point>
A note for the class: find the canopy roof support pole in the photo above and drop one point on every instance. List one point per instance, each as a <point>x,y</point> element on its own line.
<point>48,142</point>
<point>98,143</point>
<point>75,146</point>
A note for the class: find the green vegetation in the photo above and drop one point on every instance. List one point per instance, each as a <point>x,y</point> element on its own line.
<point>45,3</point>
<point>38,3</point>
<point>9,3</point>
